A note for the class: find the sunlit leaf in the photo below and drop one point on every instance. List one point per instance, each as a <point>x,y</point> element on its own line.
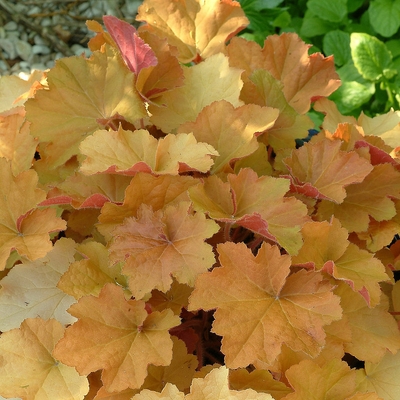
<point>209,81</point>
<point>194,27</point>
<point>118,336</point>
<point>74,107</point>
<point>128,152</point>
<point>259,307</point>
<point>160,245</point>
<point>231,131</point>
<point>29,371</point>
<point>23,227</point>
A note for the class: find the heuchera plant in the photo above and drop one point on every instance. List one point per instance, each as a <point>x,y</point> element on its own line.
<point>161,236</point>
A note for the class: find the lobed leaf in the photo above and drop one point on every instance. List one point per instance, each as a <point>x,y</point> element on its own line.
<point>73,107</point>
<point>254,203</point>
<point>23,227</point>
<point>28,369</point>
<point>334,380</point>
<point>327,248</point>
<point>127,152</point>
<point>322,171</point>
<point>231,131</point>
<point>286,58</point>
<point>159,245</point>
<point>259,307</point>
<point>118,336</point>
<point>195,28</point>
<point>209,81</point>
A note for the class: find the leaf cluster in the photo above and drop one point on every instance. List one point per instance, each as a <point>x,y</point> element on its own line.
<point>168,231</point>
<point>363,37</point>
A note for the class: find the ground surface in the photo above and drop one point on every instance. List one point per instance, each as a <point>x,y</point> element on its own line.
<point>34,33</point>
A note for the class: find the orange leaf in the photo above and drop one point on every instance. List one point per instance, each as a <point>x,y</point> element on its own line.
<point>371,197</point>
<point>263,89</point>
<point>254,203</point>
<point>321,170</point>
<point>286,58</point>
<point>334,380</point>
<point>326,247</point>
<point>231,131</point>
<point>60,123</point>
<point>259,307</point>
<point>82,191</point>
<point>29,371</point>
<point>21,228</point>
<point>163,244</point>
<point>209,81</point>
<point>16,143</point>
<point>260,380</point>
<point>194,27</point>
<point>14,91</point>
<point>118,336</point>
<point>369,340</point>
<point>157,192</point>
<point>128,152</point>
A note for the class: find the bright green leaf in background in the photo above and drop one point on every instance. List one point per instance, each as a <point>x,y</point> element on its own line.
<point>370,56</point>
<point>384,16</point>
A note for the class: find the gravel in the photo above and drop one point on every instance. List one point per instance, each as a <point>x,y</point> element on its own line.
<point>35,33</point>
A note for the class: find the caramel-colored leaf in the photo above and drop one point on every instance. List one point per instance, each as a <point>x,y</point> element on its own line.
<point>260,380</point>
<point>231,131</point>
<point>118,336</point>
<point>16,143</point>
<point>371,197</point>
<point>156,192</point>
<point>82,92</point>
<point>286,58</point>
<point>216,383</point>
<point>322,170</point>
<point>334,380</point>
<point>22,227</point>
<point>193,27</point>
<point>265,90</point>
<point>128,152</point>
<point>160,245</point>
<point>326,247</point>
<point>259,307</point>
<point>14,91</point>
<point>29,371</point>
<point>370,340</point>
<point>254,203</point>
<point>209,81</point>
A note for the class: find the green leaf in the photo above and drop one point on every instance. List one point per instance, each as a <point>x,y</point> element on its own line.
<point>314,26</point>
<point>337,43</point>
<point>330,10</point>
<point>370,55</point>
<point>352,95</point>
<point>385,16</point>
<point>354,5</point>
<point>394,47</point>
<point>354,91</point>
<point>258,4</point>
